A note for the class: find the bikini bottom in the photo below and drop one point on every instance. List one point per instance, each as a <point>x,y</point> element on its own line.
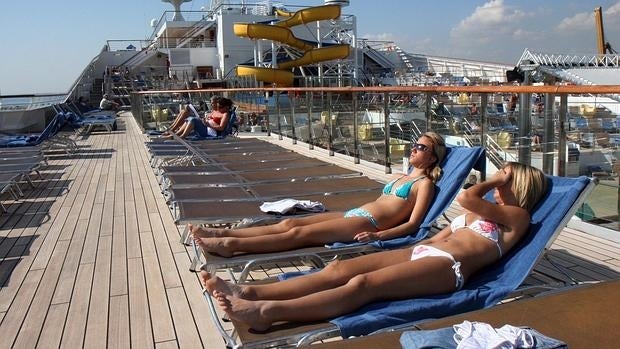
<point>421,251</point>
<point>360,212</point>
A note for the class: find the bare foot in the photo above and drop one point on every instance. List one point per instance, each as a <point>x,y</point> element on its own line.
<point>213,283</point>
<point>213,245</point>
<point>205,232</point>
<point>242,310</point>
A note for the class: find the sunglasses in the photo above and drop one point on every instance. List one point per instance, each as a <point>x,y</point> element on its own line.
<point>420,147</point>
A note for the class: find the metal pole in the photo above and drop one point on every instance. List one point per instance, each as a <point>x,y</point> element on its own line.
<point>562,117</point>
<point>525,125</point>
<point>330,129</point>
<point>484,101</point>
<point>292,102</point>
<point>386,127</point>
<point>356,155</point>
<point>309,104</point>
<point>427,111</point>
<point>277,100</point>
<point>547,146</point>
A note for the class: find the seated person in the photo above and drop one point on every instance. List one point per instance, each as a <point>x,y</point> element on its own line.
<point>188,112</point>
<point>108,104</point>
<point>397,212</point>
<point>212,125</point>
<point>441,264</point>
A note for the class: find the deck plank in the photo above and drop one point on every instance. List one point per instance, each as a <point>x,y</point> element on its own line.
<point>118,329</point>
<point>40,302</point>
<point>163,329</point>
<point>75,328</point>
<point>12,321</point>
<point>51,333</point>
<point>185,326</point>
<point>139,318</point>
<point>98,310</point>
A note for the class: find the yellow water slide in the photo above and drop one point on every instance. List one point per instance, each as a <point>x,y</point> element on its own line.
<point>280,32</point>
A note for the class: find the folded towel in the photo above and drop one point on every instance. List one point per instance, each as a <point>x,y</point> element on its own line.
<point>291,205</point>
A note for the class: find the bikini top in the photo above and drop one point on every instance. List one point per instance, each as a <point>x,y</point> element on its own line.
<point>483,227</point>
<point>402,191</point>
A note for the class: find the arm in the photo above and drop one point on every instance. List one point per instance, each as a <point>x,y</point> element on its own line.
<point>505,214</point>
<point>423,199</point>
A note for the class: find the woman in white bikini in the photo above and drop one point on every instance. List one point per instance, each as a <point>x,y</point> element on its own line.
<point>437,265</point>
<point>397,212</point>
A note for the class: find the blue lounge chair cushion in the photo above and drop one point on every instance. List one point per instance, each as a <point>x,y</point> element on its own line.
<point>487,287</point>
<point>456,166</point>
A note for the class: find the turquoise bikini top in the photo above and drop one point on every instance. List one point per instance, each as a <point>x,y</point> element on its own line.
<point>402,191</point>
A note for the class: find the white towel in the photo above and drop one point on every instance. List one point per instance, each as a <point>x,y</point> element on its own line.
<point>287,205</point>
<point>470,335</point>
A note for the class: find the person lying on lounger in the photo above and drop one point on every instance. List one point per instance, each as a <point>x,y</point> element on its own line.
<point>190,112</point>
<point>211,125</point>
<point>441,264</point>
<point>397,212</point>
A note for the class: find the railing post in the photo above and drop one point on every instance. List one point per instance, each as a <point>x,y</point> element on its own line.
<point>427,111</point>
<point>484,101</point>
<point>525,124</point>
<point>276,94</point>
<point>547,146</point>
<point>309,104</point>
<point>330,128</point>
<point>562,119</point>
<point>267,111</point>
<point>356,155</point>
<point>386,127</point>
<point>292,102</point>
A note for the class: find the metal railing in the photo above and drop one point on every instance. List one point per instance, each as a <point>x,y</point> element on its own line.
<point>371,125</point>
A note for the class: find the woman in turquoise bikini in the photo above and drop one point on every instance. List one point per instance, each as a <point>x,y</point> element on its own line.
<point>397,212</point>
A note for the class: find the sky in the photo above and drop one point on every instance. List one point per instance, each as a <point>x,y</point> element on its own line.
<point>46,44</point>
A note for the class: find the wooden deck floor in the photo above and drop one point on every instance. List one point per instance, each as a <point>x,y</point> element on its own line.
<point>91,258</point>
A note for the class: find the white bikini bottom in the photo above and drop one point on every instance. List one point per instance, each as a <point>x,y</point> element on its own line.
<point>421,251</point>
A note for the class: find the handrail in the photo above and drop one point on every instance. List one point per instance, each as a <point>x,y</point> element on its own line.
<point>553,89</point>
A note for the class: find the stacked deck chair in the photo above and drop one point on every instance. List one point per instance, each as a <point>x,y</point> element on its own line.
<point>211,151</point>
<point>47,139</point>
<point>485,289</point>
<point>17,165</point>
<point>457,165</point>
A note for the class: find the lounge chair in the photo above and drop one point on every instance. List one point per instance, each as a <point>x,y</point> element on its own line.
<point>8,184</point>
<point>485,289</point>
<point>457,165</point>
<point>204,180</point>
<point>47,139</point>
<point>573,315</point>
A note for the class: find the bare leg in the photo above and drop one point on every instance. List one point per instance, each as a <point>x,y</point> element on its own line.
<point>427,276</point>
<point>205,232</point>
<point>179,120</point>
<point>277,228</point>
<point>211,284</point>
<point>309,235</point>
<point>335,274</point>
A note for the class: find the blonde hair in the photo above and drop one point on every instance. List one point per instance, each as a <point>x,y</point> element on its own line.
<point>439,150</point>
<point>529,184</point>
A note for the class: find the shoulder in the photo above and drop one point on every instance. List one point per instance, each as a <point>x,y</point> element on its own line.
<point>424,183</point>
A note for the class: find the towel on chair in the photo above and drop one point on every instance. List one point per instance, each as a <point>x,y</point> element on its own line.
<point>291,205</point>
